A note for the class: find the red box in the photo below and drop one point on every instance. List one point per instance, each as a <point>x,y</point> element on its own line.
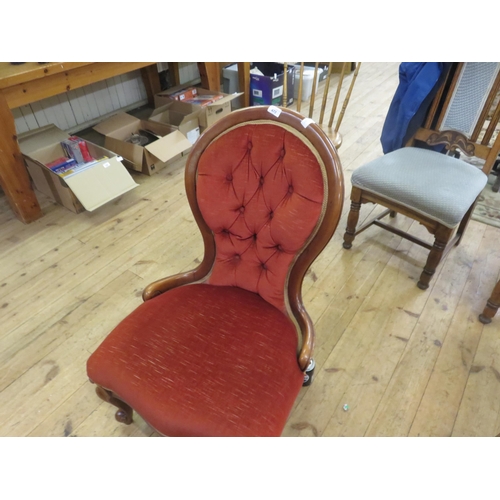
<point>182,95</point>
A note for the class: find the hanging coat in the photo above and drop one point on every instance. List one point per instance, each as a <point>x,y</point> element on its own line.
<point>418,85</point>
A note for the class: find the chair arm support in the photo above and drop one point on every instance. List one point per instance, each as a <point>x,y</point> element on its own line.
<point>306,328</point>
<point>163,285</point>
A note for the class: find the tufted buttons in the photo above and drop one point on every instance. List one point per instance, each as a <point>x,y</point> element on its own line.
<point>261,180</point>
<point>236,256</point>
<point>271,214</point>
<point>249,145</point>
<point>225,232</point>
<point>254,236</point>
<point>263,266</point>
<point>229,177</point>
<point>282,153</point>
<point>290,189</point>
<point>279,248</point>
<point>241,209</point>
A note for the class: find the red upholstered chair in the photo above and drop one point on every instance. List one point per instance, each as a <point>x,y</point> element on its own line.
<point>222,350</point>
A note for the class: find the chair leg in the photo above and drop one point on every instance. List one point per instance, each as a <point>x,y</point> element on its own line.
<point>124,414</point>
<point>352,219</point>
<point>465,222</point>
<point>492,306</point>
<point>496,186</point>
<point>443,235</point>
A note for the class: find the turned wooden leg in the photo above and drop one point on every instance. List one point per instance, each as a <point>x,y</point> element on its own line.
<point>352,219</point>
<point>124,414</point>
<point>465,222</point>
<point>392,214</point>
<point>492,306</point>
<point>443,235</point>
<point>496,186</point>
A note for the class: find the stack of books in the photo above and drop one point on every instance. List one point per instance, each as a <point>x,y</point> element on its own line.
<point>77,158</point>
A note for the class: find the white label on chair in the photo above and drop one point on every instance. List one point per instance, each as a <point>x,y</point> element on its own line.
<point>306,122</point>
<point>274,111</point>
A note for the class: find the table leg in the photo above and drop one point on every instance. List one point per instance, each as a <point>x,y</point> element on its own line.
<point>175,78</point>
<point>151,81</point>
<point>244,82</point>
<point>210,75</point>
<point>14,177</point>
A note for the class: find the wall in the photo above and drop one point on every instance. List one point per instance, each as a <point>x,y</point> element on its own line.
<point>86,106</point>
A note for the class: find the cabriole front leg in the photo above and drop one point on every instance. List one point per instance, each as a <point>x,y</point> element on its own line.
<point>124,414</point>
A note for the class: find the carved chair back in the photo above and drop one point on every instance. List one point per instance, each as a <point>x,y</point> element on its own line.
<point>465,113</point>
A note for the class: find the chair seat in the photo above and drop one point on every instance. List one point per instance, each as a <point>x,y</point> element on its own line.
<point>250,375</point>
<point>433,184</point>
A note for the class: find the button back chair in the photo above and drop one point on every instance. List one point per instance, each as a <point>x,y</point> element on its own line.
<point>437,190</point>
<point>222,350</point>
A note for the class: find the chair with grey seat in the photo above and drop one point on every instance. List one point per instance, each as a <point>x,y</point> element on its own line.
<point>438,190</point>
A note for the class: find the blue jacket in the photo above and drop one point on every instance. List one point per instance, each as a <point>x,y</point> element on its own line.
<point>418,85</point>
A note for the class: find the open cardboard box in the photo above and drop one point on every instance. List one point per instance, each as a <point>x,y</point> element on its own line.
<point>179,115</point>
<point>87,189</point>
<point>208,114</point>
<point>146,159</point>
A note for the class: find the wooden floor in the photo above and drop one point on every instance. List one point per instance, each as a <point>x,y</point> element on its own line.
<point>407,362</point>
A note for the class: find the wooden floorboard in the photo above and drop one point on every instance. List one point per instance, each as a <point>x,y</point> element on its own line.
<point>406,362</point>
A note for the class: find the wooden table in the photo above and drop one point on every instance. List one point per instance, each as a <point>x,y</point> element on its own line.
<point>30,82</point>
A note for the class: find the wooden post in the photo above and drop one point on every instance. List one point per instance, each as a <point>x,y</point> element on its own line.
<point>151,81</point>
<point>244,82</point>
<point>173,70</point>
<point>285,84</point>
<point>301,79</point>
<point>14,177</point>
<point>325,93</point>
<point>313,93</point>
<point>210,75</point>
<point>337,95</point>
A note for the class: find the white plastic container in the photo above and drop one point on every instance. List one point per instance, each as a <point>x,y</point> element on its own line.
<point>307,82</point>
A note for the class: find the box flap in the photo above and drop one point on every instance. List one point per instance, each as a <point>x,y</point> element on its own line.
<point>225,99</point>
<point>40,138</point>
<point>169,146</point>
<point>115,122</point>
<point>101,183</point>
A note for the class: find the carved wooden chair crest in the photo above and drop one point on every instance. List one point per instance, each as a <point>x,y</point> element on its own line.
<point>437,190</point>
<point>222,350</point>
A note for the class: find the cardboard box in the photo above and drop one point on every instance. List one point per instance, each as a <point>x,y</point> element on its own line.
<point>267,89</point>
<point>207,115</point>
<point>146,159</point>
<point>180,115</point>
<point>87,189</point>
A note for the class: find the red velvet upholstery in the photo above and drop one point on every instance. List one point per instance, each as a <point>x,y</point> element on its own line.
<point>260,190</point>
<point>214,351</point>
<point>195,362</point>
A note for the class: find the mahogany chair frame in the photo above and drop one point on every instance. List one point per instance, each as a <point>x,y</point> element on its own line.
<point>444,237</point>
<point>334,195</point>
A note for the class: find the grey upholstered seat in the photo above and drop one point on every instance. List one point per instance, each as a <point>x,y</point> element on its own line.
<point>403,176</point>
